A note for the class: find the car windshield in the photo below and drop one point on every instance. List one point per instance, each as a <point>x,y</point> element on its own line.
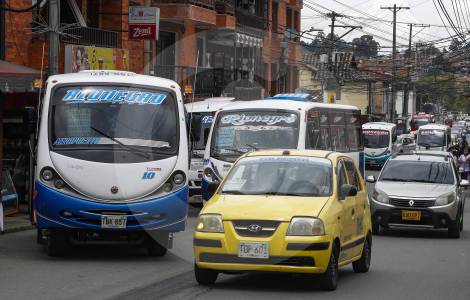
<point>285,175</point>
<point>239,132</point>
<point>376,139</point>
<point>109,117</point>
<point>431,138</point>
<point>420,122</point>
<point>418,171</point>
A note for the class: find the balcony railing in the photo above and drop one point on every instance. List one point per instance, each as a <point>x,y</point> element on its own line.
<point>203,3</point>
<point>91,37</point>
<point>225,7</point>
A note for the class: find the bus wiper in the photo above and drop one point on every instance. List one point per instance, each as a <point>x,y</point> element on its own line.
<point>130,148</point>
<point>253,147</point>
<point>235,150</point>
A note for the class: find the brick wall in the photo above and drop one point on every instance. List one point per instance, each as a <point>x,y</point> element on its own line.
<point>18,33</point>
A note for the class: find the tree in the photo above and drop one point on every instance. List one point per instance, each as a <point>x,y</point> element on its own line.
<point>455,45</point>
<point>365,46</point>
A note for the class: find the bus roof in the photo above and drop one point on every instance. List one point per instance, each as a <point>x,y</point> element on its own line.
<point>378,125</point>
<point>209,105</point>
<point>434,126</point>
<point>285,105</point>
<point>110,76</point>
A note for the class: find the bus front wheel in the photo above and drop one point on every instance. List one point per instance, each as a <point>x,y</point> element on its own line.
<point>155,247</point>
<point>56,242</point>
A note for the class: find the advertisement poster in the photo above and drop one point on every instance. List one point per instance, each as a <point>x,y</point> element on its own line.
<point>79,58</point>
<point>144,22</point>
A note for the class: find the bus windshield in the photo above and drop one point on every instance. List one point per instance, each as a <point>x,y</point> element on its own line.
<point>113,117</point>
<point>431,138</point>
<point>238,132</point>
<point>376,139</point>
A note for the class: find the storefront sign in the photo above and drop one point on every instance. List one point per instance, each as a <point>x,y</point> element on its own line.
<point>144,22</point>
<point>79,58</point>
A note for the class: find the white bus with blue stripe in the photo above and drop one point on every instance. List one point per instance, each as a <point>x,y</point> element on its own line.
<point>112,161</point>
<point>279,124</point>
<point>380,142</point>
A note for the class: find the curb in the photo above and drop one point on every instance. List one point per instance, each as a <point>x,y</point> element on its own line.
<point>18,229</point>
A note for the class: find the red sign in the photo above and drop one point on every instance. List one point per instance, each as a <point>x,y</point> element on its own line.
<point>142,32</point>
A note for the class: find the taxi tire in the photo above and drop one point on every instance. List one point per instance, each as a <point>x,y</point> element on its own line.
<point>363,264</point>
<point>205,276</point>
<point>329,280</point>
<point>56,243</point>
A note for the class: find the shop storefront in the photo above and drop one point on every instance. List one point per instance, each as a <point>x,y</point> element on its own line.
<point>18,98</point>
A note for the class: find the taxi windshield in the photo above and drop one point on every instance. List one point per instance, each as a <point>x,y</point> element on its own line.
<point>283,176</point>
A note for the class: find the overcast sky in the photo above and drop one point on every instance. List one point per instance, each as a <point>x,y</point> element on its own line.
<point>421,11</point>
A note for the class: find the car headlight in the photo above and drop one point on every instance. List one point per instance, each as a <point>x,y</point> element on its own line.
<point>210,223</point>
<point>380,197</point>
<point>445,199</point>
<point>306,227</point>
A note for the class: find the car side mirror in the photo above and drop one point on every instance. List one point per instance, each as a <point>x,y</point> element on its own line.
<point>464,183</point>
<point>347,190</point>
<point>371,179</point>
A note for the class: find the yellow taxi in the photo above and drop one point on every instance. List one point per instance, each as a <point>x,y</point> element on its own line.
<point>286,211</point>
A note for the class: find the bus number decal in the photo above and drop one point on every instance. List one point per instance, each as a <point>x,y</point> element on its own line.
<point>148,175</point>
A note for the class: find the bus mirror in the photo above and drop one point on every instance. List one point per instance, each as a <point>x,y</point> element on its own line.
<point>196,128</point>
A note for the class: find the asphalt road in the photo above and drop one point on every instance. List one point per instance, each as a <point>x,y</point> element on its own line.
<point>405,265</point>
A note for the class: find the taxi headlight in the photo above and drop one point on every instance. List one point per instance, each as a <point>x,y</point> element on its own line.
<point>210,223</point>
<point>445,199</point>
<point>301,226</point>
<point>380,197</point>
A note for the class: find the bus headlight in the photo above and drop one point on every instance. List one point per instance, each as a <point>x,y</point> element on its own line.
<point>47,174</point>
<point>59,183</point>
<point>301,226</point>
<point>179,178</point>
<point>210,223</point>
<point>167,187</point>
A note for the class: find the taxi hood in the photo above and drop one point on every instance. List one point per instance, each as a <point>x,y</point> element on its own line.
<point>264,207</point>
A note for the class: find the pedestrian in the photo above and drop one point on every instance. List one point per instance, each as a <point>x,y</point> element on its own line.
<point>464,163</point>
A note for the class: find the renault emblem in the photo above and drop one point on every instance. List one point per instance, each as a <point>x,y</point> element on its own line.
<point>114,189</point>
<point>255,228</point>
<point>411,203</point>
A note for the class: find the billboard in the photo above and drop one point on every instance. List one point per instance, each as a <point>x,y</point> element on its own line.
<point>79,58</point>
<point>144,22</point>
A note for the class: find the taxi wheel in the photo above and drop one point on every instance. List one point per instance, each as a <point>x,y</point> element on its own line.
<point>205,276</point>
<point>330,277</point>
<point>56,243</point>
<point>363,264</point>
<point>155,249</point>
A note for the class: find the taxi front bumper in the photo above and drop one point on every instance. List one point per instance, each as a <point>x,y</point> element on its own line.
<point>290,254</point>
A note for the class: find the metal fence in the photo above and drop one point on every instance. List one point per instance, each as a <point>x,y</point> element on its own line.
<point>90,36</point>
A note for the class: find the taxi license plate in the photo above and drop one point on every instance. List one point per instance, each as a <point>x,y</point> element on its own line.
<point>411,215</point>
<point>119,222</point>
<point>253,250</point>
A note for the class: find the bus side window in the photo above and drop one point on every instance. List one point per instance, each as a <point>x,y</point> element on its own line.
<point>338,131</point>
<point>325,131</point>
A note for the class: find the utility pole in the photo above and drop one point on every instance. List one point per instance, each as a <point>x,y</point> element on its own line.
<point>54,21</point>
<point>147,49</point>
<point>333,15</point>
<point>394,9</point>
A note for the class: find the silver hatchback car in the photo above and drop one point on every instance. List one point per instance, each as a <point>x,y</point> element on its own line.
<point>419,190</point>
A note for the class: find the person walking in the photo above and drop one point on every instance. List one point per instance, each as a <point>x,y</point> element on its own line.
<point>464,163</point>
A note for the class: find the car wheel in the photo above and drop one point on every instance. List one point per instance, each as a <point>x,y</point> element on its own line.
<point>154,248</point>
<point>461,221</point>
<point>453,230</point>
<point>205,276</point>
<point>363,264</point>
<point>56,243</point>
<point>330,277</point>
<point>375,228</point>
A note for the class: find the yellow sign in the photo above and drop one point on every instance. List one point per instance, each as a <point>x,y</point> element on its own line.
<point>331,97</point>
<point>188,89</point>
<point>37,83</point>
<point>95,58</point>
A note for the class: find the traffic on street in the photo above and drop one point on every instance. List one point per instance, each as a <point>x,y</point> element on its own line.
<point>234,150</point>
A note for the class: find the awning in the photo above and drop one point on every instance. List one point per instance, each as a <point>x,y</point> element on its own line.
<point>16,78</point>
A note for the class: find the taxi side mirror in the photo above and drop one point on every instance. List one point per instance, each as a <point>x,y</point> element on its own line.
<point>347,190</point>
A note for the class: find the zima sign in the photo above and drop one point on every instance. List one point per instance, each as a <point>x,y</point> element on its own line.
<point>144,22</point>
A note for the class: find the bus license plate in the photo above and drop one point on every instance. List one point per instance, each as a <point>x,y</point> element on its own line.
<point>411,215</point>
<point>113,222</point>
<point>253,250</point>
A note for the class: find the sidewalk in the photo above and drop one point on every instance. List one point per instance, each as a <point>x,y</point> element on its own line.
<point>18,222</point>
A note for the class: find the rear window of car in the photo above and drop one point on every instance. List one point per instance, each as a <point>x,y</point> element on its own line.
<point>418,171</point>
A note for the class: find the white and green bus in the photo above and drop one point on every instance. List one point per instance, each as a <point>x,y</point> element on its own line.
<point>380,142</point>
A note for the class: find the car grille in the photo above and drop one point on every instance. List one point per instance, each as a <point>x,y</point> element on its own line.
<point>296,261</point>
<point>411,203</point>
<point>255,228</point>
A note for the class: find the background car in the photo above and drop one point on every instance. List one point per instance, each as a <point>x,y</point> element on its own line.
<point>419,190</point>
<point>406,143</point>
